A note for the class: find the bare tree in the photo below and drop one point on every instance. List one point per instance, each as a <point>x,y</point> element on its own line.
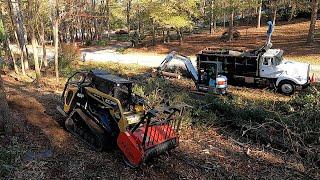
<point>274,15</point>
<point>34,40</point>
<point>107,14</point>
<point>212,17</point>
<point>128,15</point>
<point>259,14</point>
<point>18,25</point>
<point>5,115</point>
<point>315,4</point>
<point>24,31</point>
<point>7,43</point>
<point>43,43</point>
<point>231,26</point>
<point>55,29</point>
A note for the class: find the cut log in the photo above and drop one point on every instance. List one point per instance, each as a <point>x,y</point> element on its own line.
<point>169,74</point>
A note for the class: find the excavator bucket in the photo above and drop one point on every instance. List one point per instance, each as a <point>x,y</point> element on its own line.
<point>150,137</point>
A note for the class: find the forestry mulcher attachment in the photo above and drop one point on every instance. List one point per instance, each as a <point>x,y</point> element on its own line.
<point>101,110</point>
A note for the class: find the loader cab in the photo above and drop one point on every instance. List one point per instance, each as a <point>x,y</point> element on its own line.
<point>114,86</point>
<point>121,89</point>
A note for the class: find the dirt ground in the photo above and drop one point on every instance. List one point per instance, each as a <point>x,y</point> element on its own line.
<point>289,37</point>
<point>50,152</point>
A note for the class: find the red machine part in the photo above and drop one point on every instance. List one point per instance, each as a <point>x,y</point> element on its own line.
<point>136,150</point>
<point>130,148</point>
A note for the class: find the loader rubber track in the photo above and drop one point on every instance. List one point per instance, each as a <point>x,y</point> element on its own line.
<point>84,133</point>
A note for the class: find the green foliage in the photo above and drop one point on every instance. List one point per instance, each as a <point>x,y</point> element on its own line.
<point>166,14</point>
<point>122,50</point>
<point>101,42</point>
<point>2,33</point>
<point>117,15</point>
<point>68,56</point>
<point>121,38</point>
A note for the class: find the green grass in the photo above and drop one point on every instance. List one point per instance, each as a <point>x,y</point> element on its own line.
<point>116,68</point>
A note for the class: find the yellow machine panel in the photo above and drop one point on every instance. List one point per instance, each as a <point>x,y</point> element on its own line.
<point>68,99</point>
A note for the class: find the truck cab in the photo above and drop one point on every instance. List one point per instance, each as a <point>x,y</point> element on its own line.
<point>286,75</point>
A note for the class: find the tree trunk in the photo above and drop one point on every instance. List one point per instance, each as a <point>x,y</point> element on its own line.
<point>17,24</point>
<point>224,16</point>
<point>181,36</point>
<point>163,36</point>
<point>43,43</point>
<point>34,41</point>
<point>203,8</point>
<point>231,26</point>
<point>5,115</point>
<point>95,22</point>
<point>153,34</point>
<point>56,38</point>
<point>24,33</point>
<point>211,16</point>
<point>274,15</point>
<point>293,11</point>
<point>128,15</point>
<point>10,52</point>
<point>259,14</point>
<point>311,34</point>
<point>168,35</point>
<point>7,44</point>
<point>108,17</point>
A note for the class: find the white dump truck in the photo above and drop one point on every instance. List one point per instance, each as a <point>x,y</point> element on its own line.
<point>260,67</point>
<point>263,66</point>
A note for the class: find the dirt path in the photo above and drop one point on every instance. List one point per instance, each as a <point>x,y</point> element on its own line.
<point>110,54</point>
<point>203,153</point>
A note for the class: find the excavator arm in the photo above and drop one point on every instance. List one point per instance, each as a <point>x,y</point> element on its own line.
<point>184,59</point>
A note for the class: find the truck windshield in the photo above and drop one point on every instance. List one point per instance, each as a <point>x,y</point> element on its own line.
<point>277,60</point>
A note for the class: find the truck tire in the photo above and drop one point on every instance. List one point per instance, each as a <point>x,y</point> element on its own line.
<point>286,87</point>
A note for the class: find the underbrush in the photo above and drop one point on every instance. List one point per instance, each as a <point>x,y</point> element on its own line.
<point>101,42</point>
<point>128,70</point>
<point>288,125</point>
<point>8,155</point>
<point>69,55</point>
<point>158,91</point>
<point>292,127</point>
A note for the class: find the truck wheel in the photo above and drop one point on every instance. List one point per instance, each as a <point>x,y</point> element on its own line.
<point>286,87</point>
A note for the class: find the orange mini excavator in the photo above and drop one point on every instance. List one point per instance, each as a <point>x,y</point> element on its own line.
<point>100,109</point>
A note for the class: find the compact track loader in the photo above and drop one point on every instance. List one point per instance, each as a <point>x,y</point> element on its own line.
<point>100,109</point>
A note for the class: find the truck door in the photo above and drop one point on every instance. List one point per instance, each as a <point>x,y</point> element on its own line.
<point>267,69</point>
